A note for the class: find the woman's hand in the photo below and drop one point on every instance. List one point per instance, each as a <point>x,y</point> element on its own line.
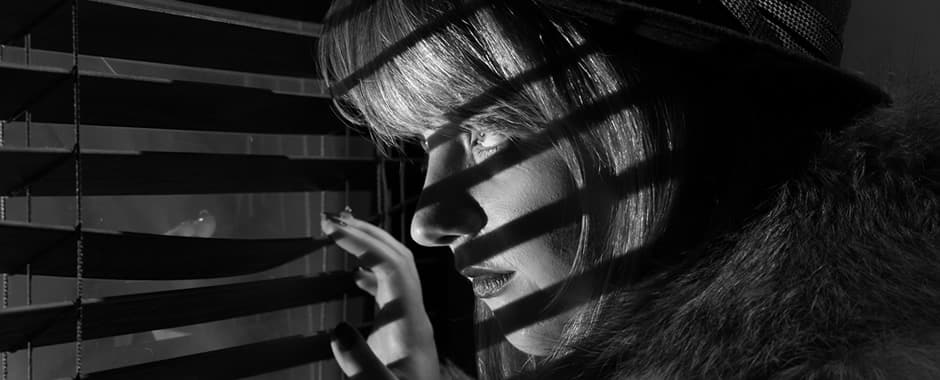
<point>402,344</point>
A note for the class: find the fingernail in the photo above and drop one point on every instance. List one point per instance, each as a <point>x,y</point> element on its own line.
<point>344,335</point>
<point>347,212</point>
<point>333,217</point>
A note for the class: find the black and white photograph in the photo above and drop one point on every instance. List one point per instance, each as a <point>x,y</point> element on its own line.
<point>470,189</point>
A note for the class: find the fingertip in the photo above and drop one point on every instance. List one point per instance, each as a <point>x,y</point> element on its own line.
<point>341,351</point>
<point>345,336</point>
<point>333,218</point>
<point>339,354</point>
<point>326,225</point>
<point>362,272</point>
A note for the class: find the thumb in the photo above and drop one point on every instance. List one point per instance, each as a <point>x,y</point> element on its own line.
<point>354,356</point>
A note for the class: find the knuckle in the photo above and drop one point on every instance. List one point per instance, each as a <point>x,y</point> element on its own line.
<point>385,270</point>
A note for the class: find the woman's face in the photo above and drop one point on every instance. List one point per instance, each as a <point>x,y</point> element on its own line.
<point>512,221</point>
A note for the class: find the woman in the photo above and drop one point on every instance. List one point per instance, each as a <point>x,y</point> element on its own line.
<point>644,193</point>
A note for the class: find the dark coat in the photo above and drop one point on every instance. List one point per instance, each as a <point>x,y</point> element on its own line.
<point>838,279</point>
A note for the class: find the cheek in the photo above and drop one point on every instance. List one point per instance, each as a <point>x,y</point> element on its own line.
<point>547,176</point>
<point>534,185</point>
<point>564,242</point>
<point>539,197</point>
<point>550,190</point>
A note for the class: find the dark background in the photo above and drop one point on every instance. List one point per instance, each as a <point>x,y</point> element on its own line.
<point>888,42</point>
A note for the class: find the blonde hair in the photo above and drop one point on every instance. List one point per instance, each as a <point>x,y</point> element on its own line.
<point>397,66</point>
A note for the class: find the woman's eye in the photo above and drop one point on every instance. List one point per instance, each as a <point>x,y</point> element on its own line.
<point>487,141</point>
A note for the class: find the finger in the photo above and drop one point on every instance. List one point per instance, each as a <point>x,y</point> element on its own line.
<point>371,252</point>
<point>354,356</point>
<point>366,280</point>
<point>376,232</point>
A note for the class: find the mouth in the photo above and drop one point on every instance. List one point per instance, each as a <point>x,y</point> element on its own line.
<point>487,283</point>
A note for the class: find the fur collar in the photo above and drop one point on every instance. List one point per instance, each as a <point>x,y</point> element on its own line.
<point>840,279</point>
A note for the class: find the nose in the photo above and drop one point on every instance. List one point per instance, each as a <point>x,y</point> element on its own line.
<point>446,210</point>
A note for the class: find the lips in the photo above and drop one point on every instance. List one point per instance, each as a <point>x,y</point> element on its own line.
<point>487,283</point>
<point>487,278</point>
<point>490,286</point>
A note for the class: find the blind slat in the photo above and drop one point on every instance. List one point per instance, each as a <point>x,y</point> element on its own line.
<point>115,100</point>
<point>137,256</point>
<point>49,172</point>
<point>181,33</point>
<point>231,363</point>
<point>18,16</point>
<point>221,15</point>
<point>55,323</point>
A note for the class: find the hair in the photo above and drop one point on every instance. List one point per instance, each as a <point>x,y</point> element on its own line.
<point>616,119</point>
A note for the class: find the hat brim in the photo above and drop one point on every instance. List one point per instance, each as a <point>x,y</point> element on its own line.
<point>758,63</point>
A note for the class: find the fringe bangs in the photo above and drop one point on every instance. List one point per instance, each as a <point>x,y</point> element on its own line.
<point>422,66</point>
